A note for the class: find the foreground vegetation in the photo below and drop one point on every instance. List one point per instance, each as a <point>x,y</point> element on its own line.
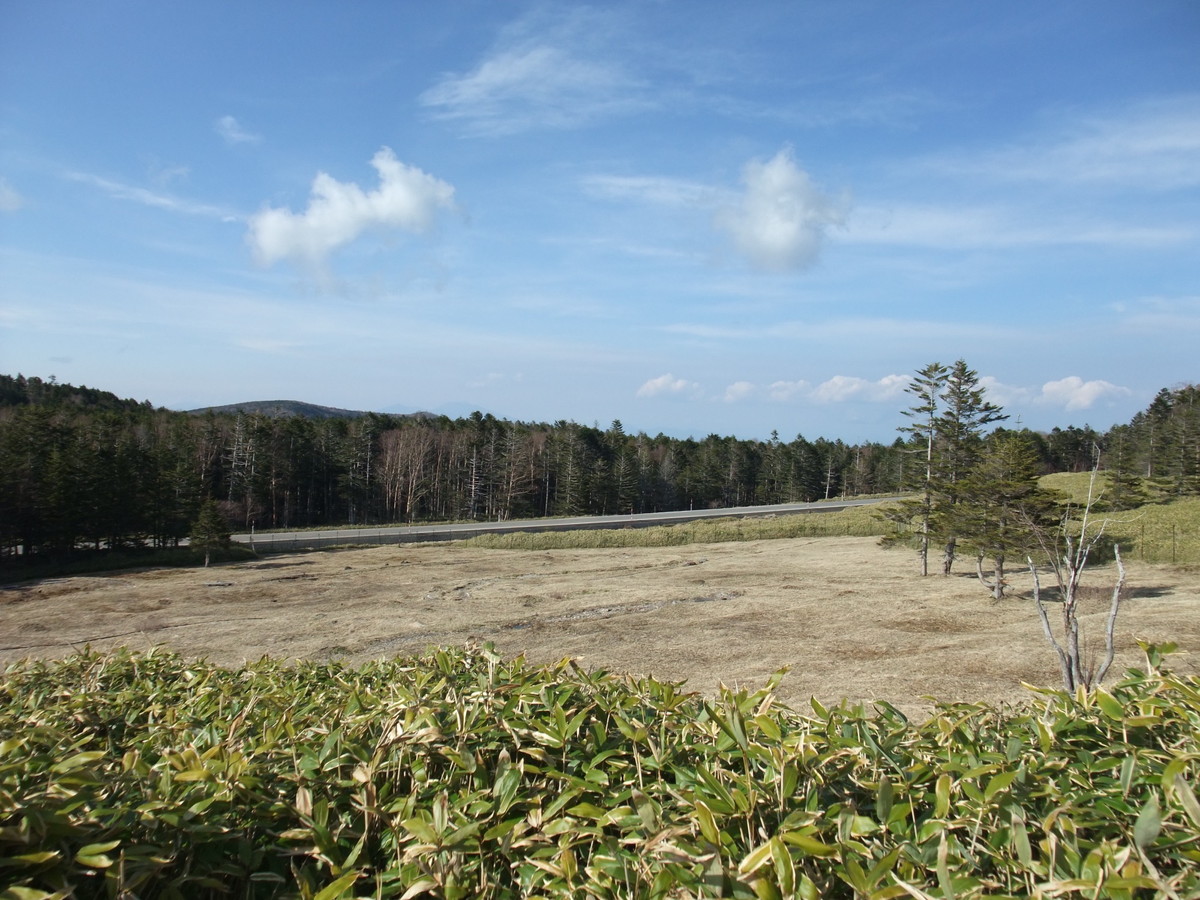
<point>463,774</point>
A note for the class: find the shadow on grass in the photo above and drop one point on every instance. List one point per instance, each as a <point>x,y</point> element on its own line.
<point>98,561</point>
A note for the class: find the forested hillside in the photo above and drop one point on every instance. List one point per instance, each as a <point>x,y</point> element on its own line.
<point>80,468</point>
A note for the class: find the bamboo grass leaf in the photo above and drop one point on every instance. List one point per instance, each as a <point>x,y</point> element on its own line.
<point>1149,823</point>
<point>1187,799</point>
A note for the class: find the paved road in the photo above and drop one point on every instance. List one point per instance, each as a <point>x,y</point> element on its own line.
<point>401,534</point>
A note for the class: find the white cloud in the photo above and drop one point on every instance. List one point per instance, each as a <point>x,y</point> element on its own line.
<point>1073,393</point>
<point>666,384</point>
<point>10,200</point>
<point>155,199</point>
<point>233,133</point>
<point>782,217</point>
<point>338,212</point>
<point>739,390</point>
<point>786,390</point>
<point>849,387</point>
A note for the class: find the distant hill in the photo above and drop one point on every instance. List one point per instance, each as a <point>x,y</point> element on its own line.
<point>282,409</point>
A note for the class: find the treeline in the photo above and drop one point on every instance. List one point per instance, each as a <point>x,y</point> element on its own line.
<point>80,468</point>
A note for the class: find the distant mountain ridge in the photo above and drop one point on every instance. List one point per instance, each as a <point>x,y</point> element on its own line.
<point>283,409</point>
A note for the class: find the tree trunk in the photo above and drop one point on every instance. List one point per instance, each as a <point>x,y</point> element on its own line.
<point>996,586</point>
<point>948,555</point>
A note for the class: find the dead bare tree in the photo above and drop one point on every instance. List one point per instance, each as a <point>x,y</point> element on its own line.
<point>1068,557</point>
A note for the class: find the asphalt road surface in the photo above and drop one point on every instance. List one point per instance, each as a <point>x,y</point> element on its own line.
<point>402,534</point>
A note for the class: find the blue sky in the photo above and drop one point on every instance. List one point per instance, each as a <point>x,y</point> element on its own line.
<point>694,217</point>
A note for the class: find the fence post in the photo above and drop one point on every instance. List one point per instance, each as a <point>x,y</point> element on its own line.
<point>1173,560</point>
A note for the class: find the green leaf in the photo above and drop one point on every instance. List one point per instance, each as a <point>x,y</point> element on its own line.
<point>999,783</point>
<point>77,761</point>
<point>1149,823</point>
<point>785,869</point>
<point>945,882</point>
<point>422,830</point>
<point>809,845</point>
<point>587,811</point>
<point>337,888</point>
<point>1109,705</point>
<point>17,892</point>
<point>883,800</point>
<point>1128,768</point>
<point>194,775</point>
<point>942,794</point>
<point>1188,799</point>
<point>1020,839</point>
<point>28,859</point>
<point>708,824</point>
<point>755,859</point>
<point>94,856</point>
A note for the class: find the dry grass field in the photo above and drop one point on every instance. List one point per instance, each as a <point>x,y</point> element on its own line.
<point>848,619</point>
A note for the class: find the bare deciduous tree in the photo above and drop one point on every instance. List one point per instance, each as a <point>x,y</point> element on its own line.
<point>1068,555</point>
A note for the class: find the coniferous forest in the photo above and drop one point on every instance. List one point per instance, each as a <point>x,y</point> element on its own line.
<point>81,469</point>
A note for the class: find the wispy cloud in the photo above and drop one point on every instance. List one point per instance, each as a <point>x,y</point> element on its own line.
<point>233,133</point>
<point>1161,315</point>
<point>780,221</point>
<point>156,199</point>
<point>268,345</point>
<point>980,227</point>
<point>660,191</point>
<point>10,200</point>
<point>1152,145</point>
<point>666,384</point>
<point>338,212</point>
<point>549,71</point>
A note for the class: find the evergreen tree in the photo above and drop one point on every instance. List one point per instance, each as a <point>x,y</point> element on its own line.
<point>1000,505</point>
<point>959,439</point>
<point>926,386</point>
<point>210,531</point>
<point>1124,488</point>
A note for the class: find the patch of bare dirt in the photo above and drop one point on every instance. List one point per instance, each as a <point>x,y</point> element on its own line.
<point>850,620</point>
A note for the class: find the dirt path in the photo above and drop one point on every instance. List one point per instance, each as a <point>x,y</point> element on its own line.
<point>847,618</point>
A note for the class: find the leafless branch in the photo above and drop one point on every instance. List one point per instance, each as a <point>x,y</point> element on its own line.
<point>1063,662</point>
<point>1114,608</point>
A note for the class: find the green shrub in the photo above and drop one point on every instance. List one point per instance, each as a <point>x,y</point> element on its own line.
<point>461,774</point>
